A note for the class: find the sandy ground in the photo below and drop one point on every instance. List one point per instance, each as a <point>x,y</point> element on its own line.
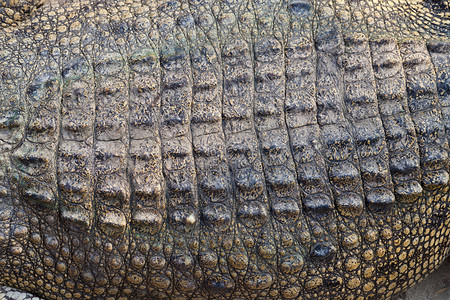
<point>435,287</point>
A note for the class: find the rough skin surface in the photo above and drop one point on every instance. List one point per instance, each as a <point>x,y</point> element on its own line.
<point>224,149</point>
<point>12,12</point>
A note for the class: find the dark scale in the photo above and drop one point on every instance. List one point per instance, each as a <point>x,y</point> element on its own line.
<point>198,149</point>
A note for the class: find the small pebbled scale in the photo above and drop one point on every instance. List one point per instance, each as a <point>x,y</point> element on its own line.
<point>202,149</point>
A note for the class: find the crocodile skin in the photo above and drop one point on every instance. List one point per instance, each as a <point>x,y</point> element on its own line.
<point>202,149</point>
<point>13,12</point>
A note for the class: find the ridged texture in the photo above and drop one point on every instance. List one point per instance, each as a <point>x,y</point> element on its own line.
<point>175,26</point>
<point>35,158</point>
<point>12,131</point>
<point>278,163</point>
<point>221,149</point>
<point>439,55</point>
<point>400,133</point>
<point>145,149</point>
<point>12,12</point>
<point>214,181</point>
<point>426,111</point>
<point>75,164</point>
<point>111,144</point>
<point>253,270</point>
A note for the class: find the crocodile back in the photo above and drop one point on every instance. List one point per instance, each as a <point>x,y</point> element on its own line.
<point>224,149</point>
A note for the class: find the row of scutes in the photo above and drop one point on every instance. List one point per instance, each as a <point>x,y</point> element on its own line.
<point>407,151</point>
<point>413,117</point>
<point>205,149</point>
<point>35,156</point>
<point>75,153</point>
